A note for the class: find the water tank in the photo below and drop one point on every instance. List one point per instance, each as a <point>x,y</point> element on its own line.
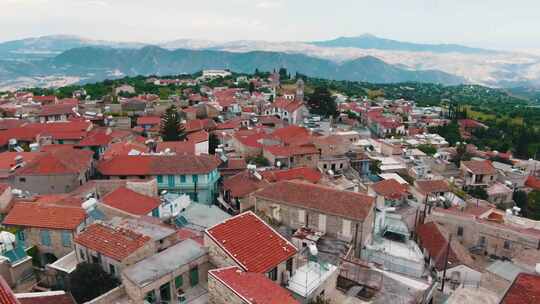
<point>313,249</point>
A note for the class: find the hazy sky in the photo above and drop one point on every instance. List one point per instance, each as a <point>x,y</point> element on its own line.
<point>485,23</point>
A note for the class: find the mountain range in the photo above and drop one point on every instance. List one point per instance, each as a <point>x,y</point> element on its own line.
<point>59,60</point>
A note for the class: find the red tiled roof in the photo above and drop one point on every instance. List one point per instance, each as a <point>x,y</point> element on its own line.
<point>58,161</point>
<point>158,165</point>
<point>56,109</point>
<point>292,135</point>
<point>243,184</point>
<point>532,182</point>
<point>123,148</point>
<point>97,138</point>
<point>65,298</point>
<point>345,204</point>
<point>7,159</point>
<point>431,186</point>
<point>289,151</point>
<point>148,120</point>
<point>198,137</point>
<point>6,294</point>
<point>179,147</point>
<point>251,242</point>
<point>433,240</point>
<point>390,188</point>
<point>116,243</point>
<point>50,98</point>
<point>254,288</point>
<point>130,201</point>
<point>524,290</point>
<point>479,166</point>
<point>45,216</point>
<point>304,173</point>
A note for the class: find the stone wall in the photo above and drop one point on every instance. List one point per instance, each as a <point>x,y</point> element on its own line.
<point>221,294</point>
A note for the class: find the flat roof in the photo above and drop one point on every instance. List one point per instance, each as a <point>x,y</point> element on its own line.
<point>506,270</point>
<point>66,264</point>
<point>165,262</point>
<point>145,227</point>
<point>201,217</point>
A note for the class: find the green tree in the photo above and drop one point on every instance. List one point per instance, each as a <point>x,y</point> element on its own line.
<point>172,128</point>
<point>283,74</point>
<point>520,197</point>
<point>89,281</point>
<point>533,205</point>
<point>478,192</point>
<point>322,103</point>
<point>251,87</point>
<point>427,148</point>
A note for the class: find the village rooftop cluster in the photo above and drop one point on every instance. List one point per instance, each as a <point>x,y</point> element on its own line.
<point>263,202</point>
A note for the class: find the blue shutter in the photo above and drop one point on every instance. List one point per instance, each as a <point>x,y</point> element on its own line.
<point>66,239</point>
<point>182,178</point>
<point>195,178</point>
<point>170,180</point>
<point>45,237</point>
<point>160,179</point>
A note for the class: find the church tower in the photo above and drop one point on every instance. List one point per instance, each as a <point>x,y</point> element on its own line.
<point>299,90</point>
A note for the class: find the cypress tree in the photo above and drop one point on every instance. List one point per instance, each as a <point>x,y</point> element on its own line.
<point>172,128</point>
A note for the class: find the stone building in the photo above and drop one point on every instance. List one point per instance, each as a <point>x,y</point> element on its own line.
<point>231,285</point>
<point>248,242</point>
<point>51,228</point>
<point>344,215</point>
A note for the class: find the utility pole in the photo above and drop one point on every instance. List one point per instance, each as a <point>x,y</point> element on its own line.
<point>446,262</point>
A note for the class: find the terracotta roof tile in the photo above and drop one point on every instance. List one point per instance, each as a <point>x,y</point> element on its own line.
<point>251,242</point>
<point>243,184</point>
<point>45,216</point>
<point>524,290</point>
<point>431,186</point>
<point>303,173</point>
<point>252,287</point>
<point>390,188</point>
<point>58,161</point>
<point>148,120</point>
<point>345,204</point>
<point>116,243</point>
<point>158,165</point>
<point>479,166</point>
<point>6,294</point>
<point>130,201</point>
<point>65,298</point>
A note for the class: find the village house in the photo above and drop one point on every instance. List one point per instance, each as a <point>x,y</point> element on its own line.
<point>477,173</point>
<point>56,112</point>
<point>232,285</point>
<point>176,275</point>
<point>525,289</point>
<point>49,227</point>
<point>125,202</point>
<point>460,269</point>
<point>113,248</point>
<point>486,230</point>
<point>432,189</point>
<point>388,193</point>
<point>237,242</point>
<point>295,204</point>
<point>58,170</point>
<point>196,176</point>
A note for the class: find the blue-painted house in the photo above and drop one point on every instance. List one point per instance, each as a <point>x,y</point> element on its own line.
<point>194,175</point>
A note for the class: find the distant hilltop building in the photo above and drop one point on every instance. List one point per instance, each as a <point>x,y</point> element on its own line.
<point>124,89</point>
<point>216,73</point>
<point>299,90</point>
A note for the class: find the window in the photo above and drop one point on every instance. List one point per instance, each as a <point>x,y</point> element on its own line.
<point>155,212</point>
<point>460,231</point>
<point>22,180</point>
<point>45,237</point>
<point>272,275</point>
<point>182,178</point>
<point>160,179</point>
<point>150,297</point>
<point>95,260</point>
<point>507,244</point>
<point>20,235</point>
<point>170,180</point>
<point>112,270</point>
<point>482,241</point>
<point>195,178</point>
<point>66,239</point>
<point>194,276</point>
<point>302,216</point>
<point>178,281</point>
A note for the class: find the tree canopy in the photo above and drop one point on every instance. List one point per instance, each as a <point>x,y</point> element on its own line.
<point>89,281</point>
<point>172,128</point>
<point>322,103</point>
